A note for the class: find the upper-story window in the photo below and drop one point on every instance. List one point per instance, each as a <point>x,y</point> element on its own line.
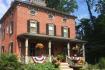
<point>3,34</point>
<point>33,26</point>
<point>65,32</point>
<point>51,29</point>
<point>33,11</point>
<point>11,28</point>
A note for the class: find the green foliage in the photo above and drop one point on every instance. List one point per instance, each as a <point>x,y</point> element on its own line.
<point>95,37</point>
<point>100,6</point>
<point>46,66</point>
<point>101,63</point>
<point>9,62</point>
<point>99,66</point>
<point>62,5</point>
<point>61,57</point>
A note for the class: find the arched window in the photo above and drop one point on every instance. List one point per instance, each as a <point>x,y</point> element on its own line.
<point>11,28</point>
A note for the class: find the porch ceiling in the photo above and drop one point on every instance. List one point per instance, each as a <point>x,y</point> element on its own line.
<point>47,37</point>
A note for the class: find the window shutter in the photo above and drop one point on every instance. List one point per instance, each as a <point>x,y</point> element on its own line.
<point>54,30</point>
<point>47,30</point>
<point>28,26</point>
<point>62,33</point>
<point>38,27</point>
<point>68,32</point>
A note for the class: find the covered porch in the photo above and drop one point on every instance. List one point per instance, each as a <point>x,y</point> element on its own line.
<point>53,46</point>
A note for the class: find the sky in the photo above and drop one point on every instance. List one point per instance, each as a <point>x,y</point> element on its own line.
<point>81,12</point>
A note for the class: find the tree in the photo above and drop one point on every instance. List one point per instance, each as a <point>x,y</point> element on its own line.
<point>62,5</point>
<point>96,38</point>
<point>100,6</point>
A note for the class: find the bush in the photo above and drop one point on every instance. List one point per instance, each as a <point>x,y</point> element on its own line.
<point>100,65</point>
<point>61,57</point>
<point>9,62</point>
<point>46,66</point>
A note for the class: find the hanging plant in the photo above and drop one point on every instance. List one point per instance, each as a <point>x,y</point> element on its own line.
<point>39,45</point>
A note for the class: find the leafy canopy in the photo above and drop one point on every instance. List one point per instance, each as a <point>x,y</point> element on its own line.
<point>62,5</point>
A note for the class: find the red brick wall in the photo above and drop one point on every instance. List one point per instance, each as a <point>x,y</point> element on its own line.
<point>20,16</point>
<point>6,41</point>
<point>23,14</point>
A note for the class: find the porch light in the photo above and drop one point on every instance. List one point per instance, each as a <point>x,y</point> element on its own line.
<point>39,45</point>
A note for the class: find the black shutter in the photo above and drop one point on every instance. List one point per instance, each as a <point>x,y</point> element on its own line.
<point>68,32</point>
<point>54,30</point>
<point>62,33</point>
<point>47,30</point>
<point>38,28</point>
<point>28,26</point>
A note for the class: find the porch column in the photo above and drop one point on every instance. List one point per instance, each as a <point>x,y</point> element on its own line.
<point>83,47</point>
<point>68,48</point>
<point>49,45</point>
<point>26,51</point>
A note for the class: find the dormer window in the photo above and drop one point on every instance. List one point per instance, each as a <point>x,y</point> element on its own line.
<point>33,11</point>
<point>33,26</point>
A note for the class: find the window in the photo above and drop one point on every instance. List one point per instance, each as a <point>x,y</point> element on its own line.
<point>2,49</point>
<point>50,16</point>
<point>3,34</point>
<point>33,26</point>
<point>64,20</point>
<point>51,29</point>
<point>11,47</point>
<point>11,28</point>
<point>33,11</point>
<point>65,31</point>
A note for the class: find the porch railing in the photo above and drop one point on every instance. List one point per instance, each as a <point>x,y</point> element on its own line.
<point>73,63</point>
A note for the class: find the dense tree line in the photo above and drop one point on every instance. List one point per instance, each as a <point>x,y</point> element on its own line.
<point>93,31</point>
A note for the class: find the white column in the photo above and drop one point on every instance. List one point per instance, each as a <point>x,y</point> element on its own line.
<point>83,47</point>
<point>49,45</point>
<point>68,48</point>
<point>26,51</point>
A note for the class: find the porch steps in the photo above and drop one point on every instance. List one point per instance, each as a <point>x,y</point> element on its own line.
<point>65,66</point>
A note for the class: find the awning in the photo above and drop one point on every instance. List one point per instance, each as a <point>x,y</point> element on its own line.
<point>47,37</point>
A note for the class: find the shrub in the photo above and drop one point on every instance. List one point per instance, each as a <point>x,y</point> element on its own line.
<point>101,63</point>
<point>46,66</point>
<point>9,62</point>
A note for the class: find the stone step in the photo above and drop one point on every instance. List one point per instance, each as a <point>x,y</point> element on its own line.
<point>64,66</point>
<point>67,69</point>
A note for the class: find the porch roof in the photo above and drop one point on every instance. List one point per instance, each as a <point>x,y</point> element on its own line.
<point>47,37</point>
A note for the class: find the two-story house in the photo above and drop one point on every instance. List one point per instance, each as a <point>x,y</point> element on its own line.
<point>34,30</point>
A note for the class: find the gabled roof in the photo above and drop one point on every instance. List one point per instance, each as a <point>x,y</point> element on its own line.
<point>15,3</point>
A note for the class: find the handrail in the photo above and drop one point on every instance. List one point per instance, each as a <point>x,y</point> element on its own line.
<point>73,64</point>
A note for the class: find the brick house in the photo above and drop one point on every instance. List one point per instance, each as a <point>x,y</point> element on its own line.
<point>27,26</point>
